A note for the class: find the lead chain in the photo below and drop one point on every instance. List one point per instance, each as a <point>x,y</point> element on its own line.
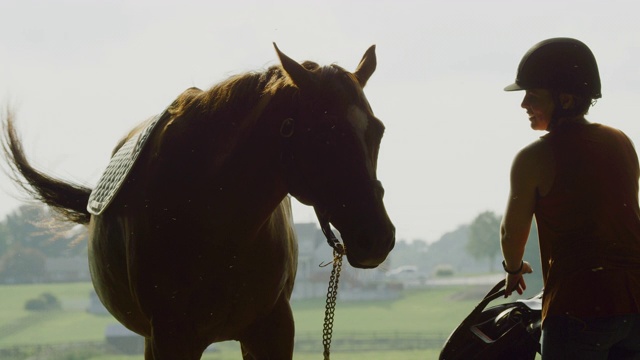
<point>332,294</point>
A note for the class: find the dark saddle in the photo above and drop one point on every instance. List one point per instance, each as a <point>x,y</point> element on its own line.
<point>505,331</point>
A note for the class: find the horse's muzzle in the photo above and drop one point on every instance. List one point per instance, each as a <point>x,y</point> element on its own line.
<point>367,251</point>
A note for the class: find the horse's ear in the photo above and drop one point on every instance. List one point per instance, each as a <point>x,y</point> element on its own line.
<point>300,76</point>
<point>367,66</point>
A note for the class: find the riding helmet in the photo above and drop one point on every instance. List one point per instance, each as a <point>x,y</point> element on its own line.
<point>563,64</point>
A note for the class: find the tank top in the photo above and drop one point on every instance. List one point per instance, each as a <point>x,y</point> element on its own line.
<point>589,224</point>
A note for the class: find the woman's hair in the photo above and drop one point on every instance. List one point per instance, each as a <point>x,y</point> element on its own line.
<point>581,104</point>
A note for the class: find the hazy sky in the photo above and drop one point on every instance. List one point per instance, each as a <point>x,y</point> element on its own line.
<point>81,73</point>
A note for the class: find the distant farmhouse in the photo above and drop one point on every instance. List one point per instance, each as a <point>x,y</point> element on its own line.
<point>312,279</point>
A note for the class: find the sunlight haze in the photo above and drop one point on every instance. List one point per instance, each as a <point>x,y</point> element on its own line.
<point>80,74</point>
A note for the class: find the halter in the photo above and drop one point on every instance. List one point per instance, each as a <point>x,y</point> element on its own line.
<point>339,249</point>
<point>287,157</point>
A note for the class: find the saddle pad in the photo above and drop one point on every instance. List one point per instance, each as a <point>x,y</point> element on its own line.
<point>119,167</point>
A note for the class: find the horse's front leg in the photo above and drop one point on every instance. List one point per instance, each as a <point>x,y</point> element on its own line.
<point>270,337</point>
<point>148,350</point>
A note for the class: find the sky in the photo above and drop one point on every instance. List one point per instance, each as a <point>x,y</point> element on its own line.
<point>80,73</point>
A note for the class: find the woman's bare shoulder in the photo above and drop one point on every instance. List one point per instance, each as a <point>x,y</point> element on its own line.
<point>535,164</point>
<point>535,152</point>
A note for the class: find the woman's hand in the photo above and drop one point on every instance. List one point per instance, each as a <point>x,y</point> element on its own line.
<point>516,281</point>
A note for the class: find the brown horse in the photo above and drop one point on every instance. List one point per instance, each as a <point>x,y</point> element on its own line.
<point>197,245</point>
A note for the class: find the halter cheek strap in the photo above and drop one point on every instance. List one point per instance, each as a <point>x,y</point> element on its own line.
<point>332,240</point>
<point>295,184</point>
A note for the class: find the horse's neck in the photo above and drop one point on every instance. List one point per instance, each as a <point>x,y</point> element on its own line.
<point>241,188</point>
<point>231,167</point>
<point>254,167</point>
<point>254,174</point>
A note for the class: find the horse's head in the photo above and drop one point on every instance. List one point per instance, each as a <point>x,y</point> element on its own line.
<point>330,154</point>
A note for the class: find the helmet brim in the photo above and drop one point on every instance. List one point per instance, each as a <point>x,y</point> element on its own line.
<point>513,87</point>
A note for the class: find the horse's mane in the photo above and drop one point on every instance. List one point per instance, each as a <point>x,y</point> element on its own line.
<point>230,109</point>
<point>233,96</point>
<point>237,95</point>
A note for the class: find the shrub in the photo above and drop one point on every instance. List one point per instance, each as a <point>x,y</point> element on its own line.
<point>44,302</point>
<point>444,270</point>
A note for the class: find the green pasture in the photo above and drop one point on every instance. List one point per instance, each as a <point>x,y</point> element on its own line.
<point>231,353</point>
<point>434,312</point>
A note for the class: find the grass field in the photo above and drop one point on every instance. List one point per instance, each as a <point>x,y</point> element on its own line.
<point>391,355</point>
<point>434,311</point>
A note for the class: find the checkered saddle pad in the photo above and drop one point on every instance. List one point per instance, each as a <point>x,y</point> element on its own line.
<point>119,167</point>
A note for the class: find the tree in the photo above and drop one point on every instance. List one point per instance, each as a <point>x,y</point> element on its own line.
<point>23,226</point>
<point>33,226</point>
<point>532,255</point>
<point>484,238</point>
<point>22,265</point>
<point>4,238</point>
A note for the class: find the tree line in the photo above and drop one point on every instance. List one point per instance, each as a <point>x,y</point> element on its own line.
<point>471,249</point>
<point>30,235</point>
<point>484,235</point>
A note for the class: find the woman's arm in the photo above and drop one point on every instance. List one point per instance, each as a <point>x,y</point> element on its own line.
<point>514,231</point>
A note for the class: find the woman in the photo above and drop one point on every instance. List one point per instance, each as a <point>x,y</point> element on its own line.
<point>580,181</point>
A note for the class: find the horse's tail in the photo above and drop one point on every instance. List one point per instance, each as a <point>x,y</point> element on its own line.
<point>68,199</point>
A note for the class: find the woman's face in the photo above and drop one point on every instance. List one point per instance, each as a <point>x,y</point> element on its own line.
<point>539,106</point>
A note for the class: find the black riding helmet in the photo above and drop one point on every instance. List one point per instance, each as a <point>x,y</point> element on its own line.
<point>562,64</point>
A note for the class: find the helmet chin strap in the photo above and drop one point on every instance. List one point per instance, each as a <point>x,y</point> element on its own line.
<point>325,225</point>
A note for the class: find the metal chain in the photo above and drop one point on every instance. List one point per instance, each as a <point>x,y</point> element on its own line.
<point>332,294</point>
